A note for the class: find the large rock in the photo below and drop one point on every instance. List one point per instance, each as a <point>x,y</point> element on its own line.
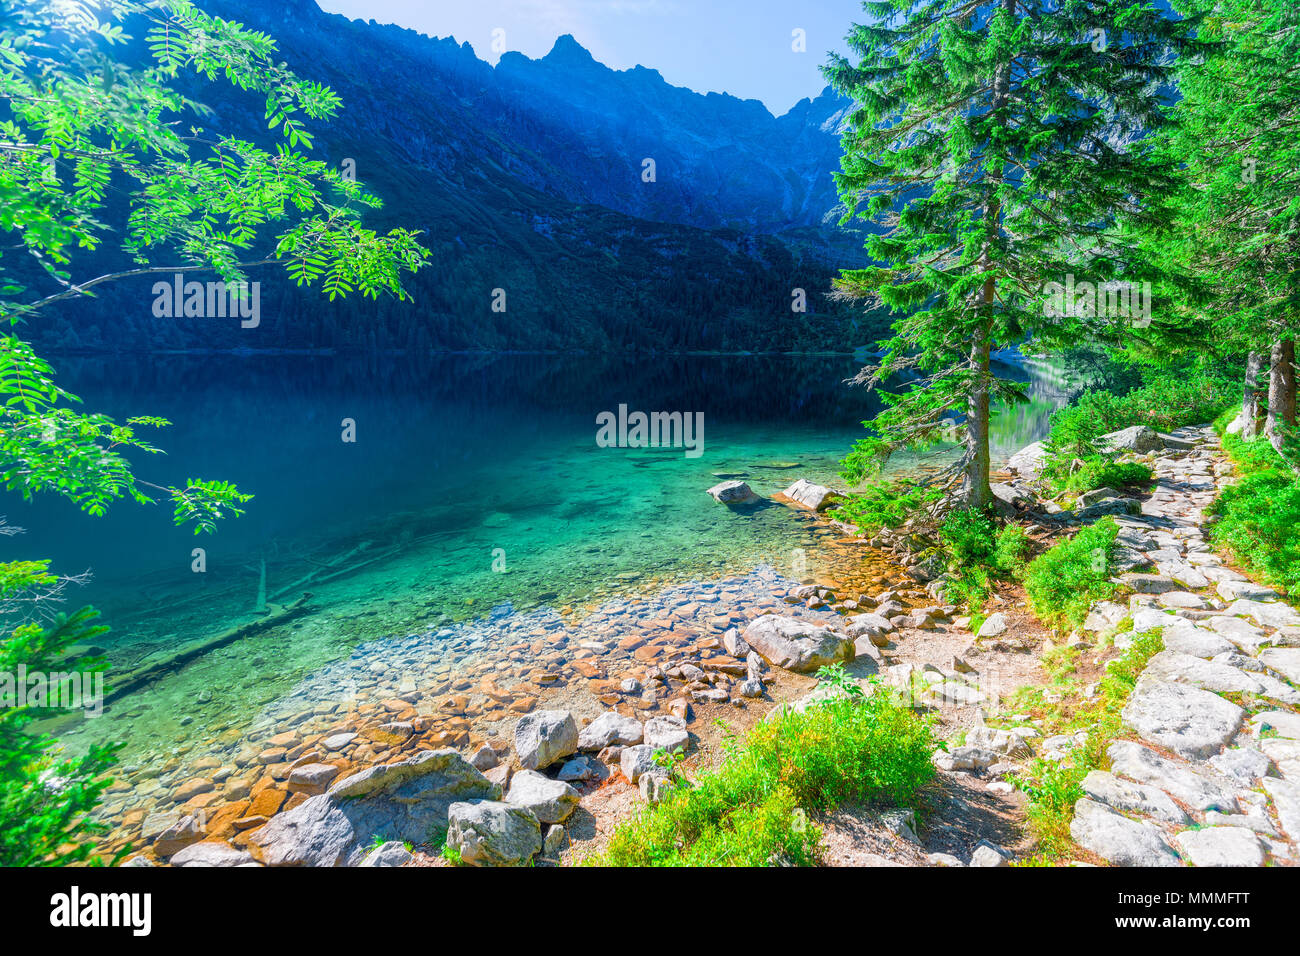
<point>211,853</point>
<point>1138,438</point>
<point>666,732</point>
<point>1132,797</point>
<point>1196,641</point>
<point>610,729</point>
<point>1279,723</point>
<point>1191,722</point>
<point>797,645</point>
<point>1284,660</point>
<point>1196,789</point>
<point>1028,462</point>
<point>550,801</point>
<point>816,497</point>
<point>1286,801</point>
<point>1179,668</point>
<point>490,833</point>
<point>1117,839</point>
<point>405,801</point>
<point>1221,846</point>
<point>545,737</point>
<point>1265,613</point>
<point>733,493</point>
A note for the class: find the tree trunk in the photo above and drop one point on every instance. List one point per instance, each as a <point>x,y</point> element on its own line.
<point>1281,392</point>
<point>1250,399</point>
<point>975,491</point>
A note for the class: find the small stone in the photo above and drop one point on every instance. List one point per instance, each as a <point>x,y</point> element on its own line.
<point>391,853</point>
<point>635,761</point>
<point>579,768</point>
<point>312,778</point>
<point>555,840</point>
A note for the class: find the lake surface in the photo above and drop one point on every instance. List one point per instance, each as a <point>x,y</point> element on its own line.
<point>473,482</point>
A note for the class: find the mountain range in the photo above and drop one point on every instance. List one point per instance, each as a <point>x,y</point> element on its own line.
<point>617,210</point>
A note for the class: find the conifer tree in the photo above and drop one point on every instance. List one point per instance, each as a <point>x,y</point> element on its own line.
<point>996,147</point>
<point>1238,133</point>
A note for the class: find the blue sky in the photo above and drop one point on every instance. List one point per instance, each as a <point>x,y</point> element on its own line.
<point>742,47</point>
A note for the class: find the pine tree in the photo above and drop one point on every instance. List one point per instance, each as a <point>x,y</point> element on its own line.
<point>1238,132</point>
<point>996,146</point>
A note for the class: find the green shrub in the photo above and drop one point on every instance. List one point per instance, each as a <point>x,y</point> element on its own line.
<point>886,505</point>
<point>1012,550</point>
<point>1256,518</point>
<point>969,536</point>
<point>1095,472</point>
<point>1064,581</point>
<point>1167,399</point>
<point>750,810</point>
<point>979,552</point>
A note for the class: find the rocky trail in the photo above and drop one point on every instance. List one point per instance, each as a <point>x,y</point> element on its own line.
<point>1211,773</point>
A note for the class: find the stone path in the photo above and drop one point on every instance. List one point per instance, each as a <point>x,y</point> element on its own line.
<point>1211,776</point>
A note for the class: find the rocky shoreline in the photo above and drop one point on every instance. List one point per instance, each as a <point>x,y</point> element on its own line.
<point>531,750</point>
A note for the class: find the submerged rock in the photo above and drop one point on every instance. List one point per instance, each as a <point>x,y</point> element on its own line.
<point>733,493</point>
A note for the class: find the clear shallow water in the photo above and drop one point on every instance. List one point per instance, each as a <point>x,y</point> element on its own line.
<point>460,463</point>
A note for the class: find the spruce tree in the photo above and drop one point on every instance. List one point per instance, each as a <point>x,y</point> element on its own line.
<point>996,147</point>
<point>1238,132</point>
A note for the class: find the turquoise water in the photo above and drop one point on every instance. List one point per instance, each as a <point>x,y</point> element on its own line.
<point>473,481</point>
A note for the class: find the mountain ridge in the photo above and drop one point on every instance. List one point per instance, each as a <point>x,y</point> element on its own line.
<point>529,178</point>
